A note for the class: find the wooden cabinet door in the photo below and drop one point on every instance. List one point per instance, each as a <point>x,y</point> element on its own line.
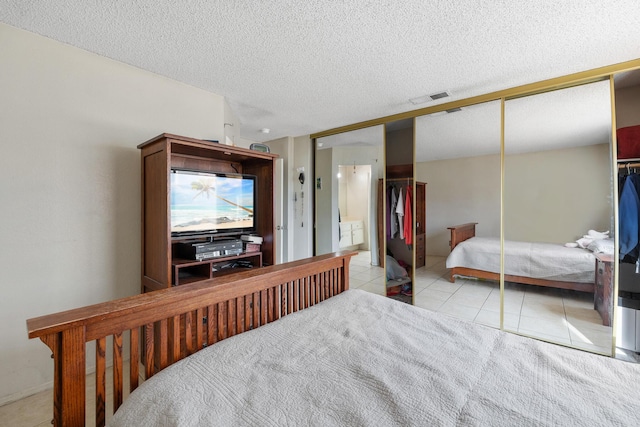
<point>421,206</point>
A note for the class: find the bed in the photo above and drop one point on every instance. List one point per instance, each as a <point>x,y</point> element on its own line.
<point>541,264</point>
<point>355,358</point>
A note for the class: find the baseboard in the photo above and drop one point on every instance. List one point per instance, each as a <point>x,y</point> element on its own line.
<point>91,370</point>
<point>25,393</point>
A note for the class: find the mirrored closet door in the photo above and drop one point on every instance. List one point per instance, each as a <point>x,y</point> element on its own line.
<point>558,217</point>
<point>399,202</point>
<point>348,167</point>
<point>627,96</point>
<point>458,157</point>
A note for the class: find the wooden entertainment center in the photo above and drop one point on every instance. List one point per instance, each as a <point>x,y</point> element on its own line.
<point>161,265</point>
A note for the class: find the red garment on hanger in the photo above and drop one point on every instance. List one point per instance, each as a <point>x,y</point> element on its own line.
<point>408,220</point>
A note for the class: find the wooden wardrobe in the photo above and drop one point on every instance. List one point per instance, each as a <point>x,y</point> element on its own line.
<point>420,202</point>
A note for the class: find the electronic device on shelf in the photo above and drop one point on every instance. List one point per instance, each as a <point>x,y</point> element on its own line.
<point>207,250</point>
<point>251,238</point>
<point>259,147</point>
<point>206,203</point>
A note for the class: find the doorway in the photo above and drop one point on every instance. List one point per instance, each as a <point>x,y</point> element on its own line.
<point>354,206</point>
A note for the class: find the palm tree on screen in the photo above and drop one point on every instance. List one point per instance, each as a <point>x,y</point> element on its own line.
<point>205,186</point>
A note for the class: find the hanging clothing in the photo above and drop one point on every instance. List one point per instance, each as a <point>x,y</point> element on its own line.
<point>629,216</point>
<point>408,230</point>
<point>392,220</point>
<point>400,214</point>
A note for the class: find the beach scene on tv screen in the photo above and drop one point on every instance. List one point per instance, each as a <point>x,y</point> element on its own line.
<point>203,203</point>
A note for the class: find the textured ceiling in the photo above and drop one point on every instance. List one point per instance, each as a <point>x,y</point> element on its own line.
<point>299,67</point>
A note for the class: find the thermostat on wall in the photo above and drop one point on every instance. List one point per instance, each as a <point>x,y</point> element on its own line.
<point>259,147</point>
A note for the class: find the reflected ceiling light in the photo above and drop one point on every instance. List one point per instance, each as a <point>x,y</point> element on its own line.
<point>265,130</point>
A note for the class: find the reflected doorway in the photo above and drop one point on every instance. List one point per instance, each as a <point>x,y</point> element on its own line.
<point>354,206</point>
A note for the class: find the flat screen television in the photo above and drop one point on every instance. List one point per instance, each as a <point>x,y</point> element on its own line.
<point>205,203</point>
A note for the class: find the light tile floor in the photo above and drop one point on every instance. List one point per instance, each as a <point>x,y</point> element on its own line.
<point>37,410</point>
<point>563,317</point>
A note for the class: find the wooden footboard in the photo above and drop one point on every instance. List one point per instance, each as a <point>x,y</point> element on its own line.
<point>175,323</point>
<point>460,233</point>
<point>481,274</point>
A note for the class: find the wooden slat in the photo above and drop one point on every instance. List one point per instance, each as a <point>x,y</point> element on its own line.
<point>212,325</point>
<point>188,332</point>
<point>118,383</point>
<point>255,316</point>
<point>271,311</point>
<point>231,317</point>
<point>222,321</point>
<point>149,345</point>
<point>284,293</point>
<point>101,392</point>
<point>304,283</point>
<point>290,297</point>
<point>162,342</point>
<point>173,342</point>
<point>134,358</point>
<point>248,311</point>
<point>314,289</point>
<point>331,282</point>
<point>200,315</point>
<point>264,309</point>
<point>240,314</point>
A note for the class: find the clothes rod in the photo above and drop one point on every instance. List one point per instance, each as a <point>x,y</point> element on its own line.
<point>628,165</point>
<point>399,179</point>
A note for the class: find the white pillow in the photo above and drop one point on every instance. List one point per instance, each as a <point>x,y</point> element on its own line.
<point>605,246</point>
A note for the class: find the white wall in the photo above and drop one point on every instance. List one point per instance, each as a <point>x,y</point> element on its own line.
<point>460,191</point>
<point>70,187</point>
<point>557,196</point>
<point>326,233</point>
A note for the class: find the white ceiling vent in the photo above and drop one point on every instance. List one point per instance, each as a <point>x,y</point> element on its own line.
<point>429,98</point>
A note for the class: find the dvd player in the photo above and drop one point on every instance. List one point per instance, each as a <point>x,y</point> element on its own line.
<point>206,250</point>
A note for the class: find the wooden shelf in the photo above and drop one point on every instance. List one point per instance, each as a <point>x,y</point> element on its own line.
<point>187,271</point>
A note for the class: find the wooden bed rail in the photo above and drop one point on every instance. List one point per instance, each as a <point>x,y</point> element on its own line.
<point>166,325</point>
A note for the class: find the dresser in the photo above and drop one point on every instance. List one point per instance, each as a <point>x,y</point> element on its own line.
<point>603,301</point>
<point>351,233</point>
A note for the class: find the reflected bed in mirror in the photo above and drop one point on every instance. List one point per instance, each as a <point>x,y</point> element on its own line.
<point>542,264</point>
<point>558,185</point>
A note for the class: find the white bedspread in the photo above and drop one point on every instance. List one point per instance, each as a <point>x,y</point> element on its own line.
<point>360,359</point>
<point>539,260</point>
